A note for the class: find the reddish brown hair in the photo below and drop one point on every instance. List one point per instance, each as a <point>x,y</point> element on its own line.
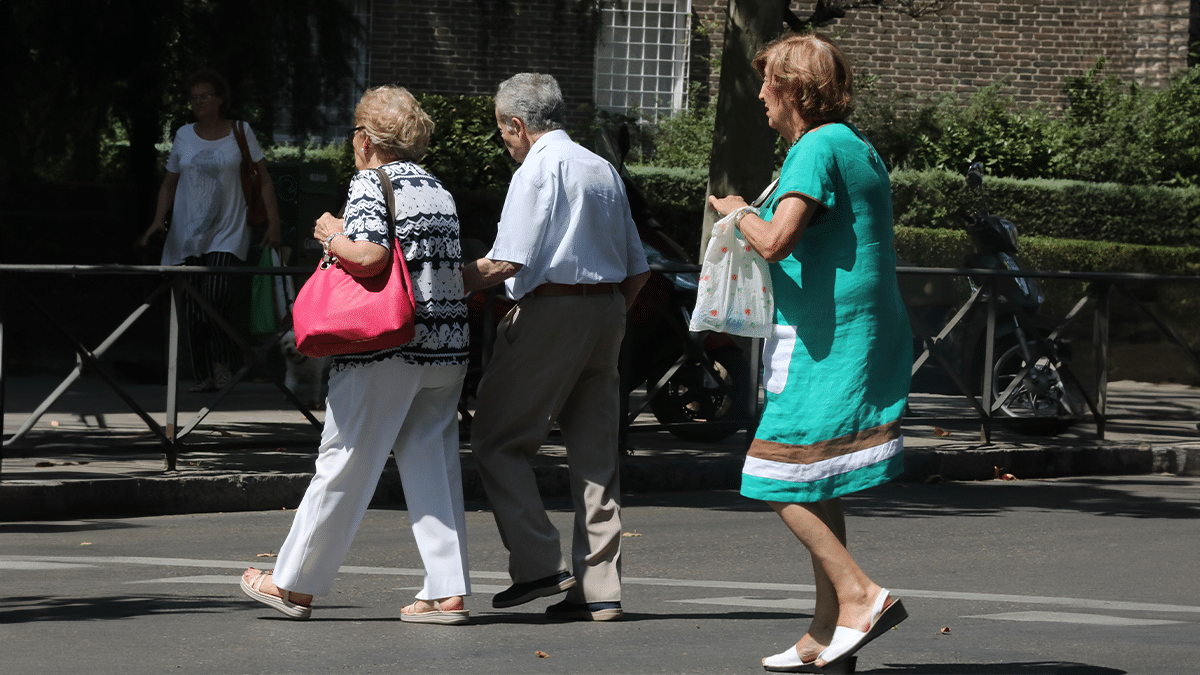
<point>810,71</point>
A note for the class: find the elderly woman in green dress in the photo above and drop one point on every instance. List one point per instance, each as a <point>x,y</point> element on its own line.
<point>837,367</point>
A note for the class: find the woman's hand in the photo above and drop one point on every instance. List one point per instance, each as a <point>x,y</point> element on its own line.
<point>726,205</point>
<point>144,240</point>
<point>327,226</point>
<point>359,258</point>
<point>272,237</point>
<point>166,199</point>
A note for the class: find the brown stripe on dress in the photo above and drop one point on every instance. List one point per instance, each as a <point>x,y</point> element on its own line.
<point>834,447</point>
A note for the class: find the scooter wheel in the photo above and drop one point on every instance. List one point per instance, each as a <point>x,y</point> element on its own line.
<point>696,408</point>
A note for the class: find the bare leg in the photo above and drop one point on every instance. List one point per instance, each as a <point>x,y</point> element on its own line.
<point>844,592</point>
<point>825,615</point>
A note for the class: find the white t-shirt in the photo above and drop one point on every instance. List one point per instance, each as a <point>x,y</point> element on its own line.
<point>566,220</point>
<point>210,210</point>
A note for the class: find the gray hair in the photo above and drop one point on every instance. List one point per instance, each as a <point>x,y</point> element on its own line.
<point>535,99</point>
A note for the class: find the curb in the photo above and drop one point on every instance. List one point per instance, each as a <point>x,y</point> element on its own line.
<point>215,492</point>
<point>1058,462</point>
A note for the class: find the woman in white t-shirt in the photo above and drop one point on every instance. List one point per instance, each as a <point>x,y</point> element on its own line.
<point>203,191</point>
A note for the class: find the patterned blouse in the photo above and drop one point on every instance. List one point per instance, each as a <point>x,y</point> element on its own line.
<point>428,232</point>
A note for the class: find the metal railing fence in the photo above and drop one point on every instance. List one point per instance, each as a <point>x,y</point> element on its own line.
<point>987,405</point>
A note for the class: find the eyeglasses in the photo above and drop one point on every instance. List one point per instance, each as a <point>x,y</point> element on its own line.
<point>350,136</point>
<point>200,98</point>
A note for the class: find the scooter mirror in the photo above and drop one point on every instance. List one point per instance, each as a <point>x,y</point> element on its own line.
<point>975,175</point>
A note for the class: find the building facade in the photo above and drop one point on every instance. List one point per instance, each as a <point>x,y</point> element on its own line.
<point>646,54</point>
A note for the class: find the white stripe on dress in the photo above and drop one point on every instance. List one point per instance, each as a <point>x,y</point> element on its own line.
<point>809,473</point>
<point>777,358</point>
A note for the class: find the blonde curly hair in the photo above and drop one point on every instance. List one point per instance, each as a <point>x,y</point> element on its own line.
<point>394,122</point>
<point>810,71</point>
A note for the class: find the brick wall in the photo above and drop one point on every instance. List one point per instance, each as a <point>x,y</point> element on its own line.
<point>469,46</point>
<point>1036,43</point>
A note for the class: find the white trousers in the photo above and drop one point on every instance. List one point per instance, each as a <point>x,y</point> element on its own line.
<point>385,407</point>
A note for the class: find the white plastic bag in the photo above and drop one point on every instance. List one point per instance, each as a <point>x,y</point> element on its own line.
<point>735,286</point>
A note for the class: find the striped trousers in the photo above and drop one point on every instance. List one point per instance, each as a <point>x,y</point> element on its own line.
<point>209,343</point>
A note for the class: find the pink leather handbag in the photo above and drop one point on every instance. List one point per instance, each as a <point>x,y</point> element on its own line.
<point>338,313</point>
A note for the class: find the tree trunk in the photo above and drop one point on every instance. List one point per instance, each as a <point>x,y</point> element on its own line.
<point>743,150</point>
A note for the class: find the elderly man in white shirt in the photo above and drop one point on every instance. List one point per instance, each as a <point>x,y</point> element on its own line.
<point>567,249</point>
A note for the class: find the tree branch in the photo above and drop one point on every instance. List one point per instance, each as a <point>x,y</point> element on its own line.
<point>825,11</point>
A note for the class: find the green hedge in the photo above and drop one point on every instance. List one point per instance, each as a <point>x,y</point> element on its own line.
<point>1128,214</point>
<point>925,247</point>
<point>667,185</point>
<point>1178,303</point>
<point>1131,214</point>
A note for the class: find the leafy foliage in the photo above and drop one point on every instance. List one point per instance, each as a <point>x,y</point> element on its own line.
<point>987,130</point>
<point>1134,214</point>
<point>465,151</point>
<point>97,83</point>
<point>1109,132</point>
<point>683,140</point>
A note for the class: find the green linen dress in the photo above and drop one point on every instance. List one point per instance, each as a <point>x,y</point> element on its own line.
<point>837,370</point>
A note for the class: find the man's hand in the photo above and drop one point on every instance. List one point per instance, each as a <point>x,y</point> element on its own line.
<point>485,273</point>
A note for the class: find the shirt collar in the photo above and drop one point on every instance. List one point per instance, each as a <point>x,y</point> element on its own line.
<point>549,138</point>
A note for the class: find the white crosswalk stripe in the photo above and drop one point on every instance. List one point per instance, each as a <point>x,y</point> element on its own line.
<point>44,563</point>
<point>1068,617</point>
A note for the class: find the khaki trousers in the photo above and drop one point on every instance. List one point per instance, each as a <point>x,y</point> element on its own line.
<point>555,359</point>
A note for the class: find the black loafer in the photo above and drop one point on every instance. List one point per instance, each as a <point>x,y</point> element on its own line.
<point>584,611</point>
<point>519,594</point>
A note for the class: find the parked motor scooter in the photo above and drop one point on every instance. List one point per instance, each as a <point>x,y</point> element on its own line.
<point>701,382</point>
<point>1028,351</point>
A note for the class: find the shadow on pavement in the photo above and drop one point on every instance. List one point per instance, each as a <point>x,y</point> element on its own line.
<point>993,498</point>
<point>52,608</point>
<point>1036,668</point>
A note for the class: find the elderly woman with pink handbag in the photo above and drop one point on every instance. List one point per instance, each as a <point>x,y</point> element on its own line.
<point>397,400</point>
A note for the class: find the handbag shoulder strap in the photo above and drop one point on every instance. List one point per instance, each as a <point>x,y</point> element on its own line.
<point>765,193</point>
<point>389,197</point>
<point>241,141</point>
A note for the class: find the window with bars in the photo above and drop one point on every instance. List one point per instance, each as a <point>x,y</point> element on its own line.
<point>642,57</point>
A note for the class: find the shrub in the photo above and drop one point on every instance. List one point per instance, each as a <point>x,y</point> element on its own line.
<point>465,151</point>
<point>1111,132</point>
<point>1174,301</point>
<point>683,186</point>
<point>989,130</point>
<point>683,140</point>
<point>1133,214</point>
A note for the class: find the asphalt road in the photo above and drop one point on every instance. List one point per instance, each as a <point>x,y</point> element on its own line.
<point>1086,577</point>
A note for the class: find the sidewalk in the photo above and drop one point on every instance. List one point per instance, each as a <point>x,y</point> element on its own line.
<point>90,455</point>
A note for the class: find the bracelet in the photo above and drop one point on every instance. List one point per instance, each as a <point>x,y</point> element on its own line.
<point>741,213</point>
<point>330,238</point>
